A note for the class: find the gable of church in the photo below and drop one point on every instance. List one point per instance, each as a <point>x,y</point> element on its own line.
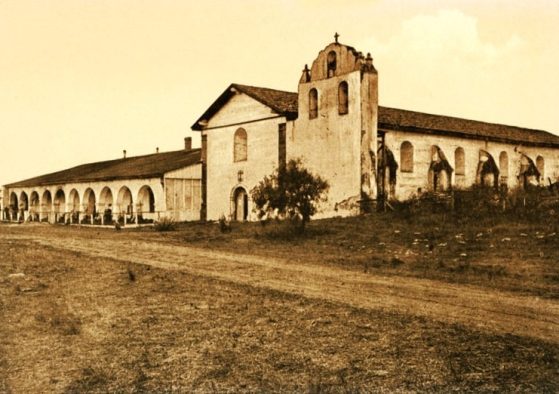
<point>240,108</point>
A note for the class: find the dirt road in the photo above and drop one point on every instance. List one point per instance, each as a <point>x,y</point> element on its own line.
<point>474,307</point>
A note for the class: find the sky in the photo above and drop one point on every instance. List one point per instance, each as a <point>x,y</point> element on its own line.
<point>82,80</point>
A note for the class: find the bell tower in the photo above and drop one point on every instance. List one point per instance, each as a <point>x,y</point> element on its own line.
<point>336,130</point>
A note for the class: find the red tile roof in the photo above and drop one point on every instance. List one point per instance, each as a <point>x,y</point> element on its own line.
<point>399,119</point>
<point>148,166</point>
<point>285,103</point>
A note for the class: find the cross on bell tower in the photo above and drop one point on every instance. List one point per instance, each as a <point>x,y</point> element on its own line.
<point>336,37</point>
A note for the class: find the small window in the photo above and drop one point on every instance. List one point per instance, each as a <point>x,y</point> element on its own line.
<point>313,103</point>
<point>459,161</point>
<point>240,145</point>
<point>331,64</point>
<point>343,103</point>
<point>406,157</point>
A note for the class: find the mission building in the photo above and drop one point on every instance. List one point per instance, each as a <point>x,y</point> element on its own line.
<point>333,123</point>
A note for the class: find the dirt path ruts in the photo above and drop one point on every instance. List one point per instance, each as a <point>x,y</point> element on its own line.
<point>475,307</point>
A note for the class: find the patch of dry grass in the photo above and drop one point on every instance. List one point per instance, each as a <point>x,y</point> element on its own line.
<point>500,252</point>
<point>86,325</point>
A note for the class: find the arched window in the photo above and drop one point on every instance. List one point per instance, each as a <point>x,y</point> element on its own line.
<point>459,161</point>
<point>240,145</point>
<point>540,165</point>
<point>331,64</point>
<point>343,98</point>
<point>313,103</point>
<point>406,157</point>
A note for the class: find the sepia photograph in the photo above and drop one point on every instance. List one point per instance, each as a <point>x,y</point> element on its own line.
<point>284,196</point>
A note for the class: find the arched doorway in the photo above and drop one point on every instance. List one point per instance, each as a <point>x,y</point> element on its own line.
<point>440,171</point>
<point>74,206</point>
<point>529,174</point>
<point>46,206</point>
<point>23,205</point>
<point>59,206</point>
<point>124,200</point>
<point>106,198</point>
<point>13,207</point>
<point>487,174</point>
<point>35,207</point>
<point>240,204</point>
<point>106,205</point>
<point>146,204</point>
<point>387,170</point>
<point>124,205</point>
<point>89,206</point>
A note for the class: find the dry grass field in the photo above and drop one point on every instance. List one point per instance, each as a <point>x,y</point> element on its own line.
<point>373,303</point>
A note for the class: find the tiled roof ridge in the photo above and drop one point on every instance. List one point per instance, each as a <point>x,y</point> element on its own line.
<point>281,101</point>
<point>480,122</point>
<point>241,86</point>
<point>130,158</point>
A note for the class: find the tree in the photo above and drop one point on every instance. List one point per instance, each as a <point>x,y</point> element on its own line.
<point>291,191</point>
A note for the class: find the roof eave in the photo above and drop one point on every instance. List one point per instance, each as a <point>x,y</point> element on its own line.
<point>420,130</point>
<point>213,108</point>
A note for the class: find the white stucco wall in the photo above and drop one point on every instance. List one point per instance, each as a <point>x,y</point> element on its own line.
<point>408,183</point>
<point>262,152</point>
<point>190,174</point>
<point>330,144</point>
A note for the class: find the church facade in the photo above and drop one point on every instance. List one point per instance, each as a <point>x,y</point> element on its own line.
<point>366,152</point>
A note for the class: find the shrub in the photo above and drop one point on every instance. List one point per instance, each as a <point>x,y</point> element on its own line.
<point>165,224</point>
<point>478,201</point>
<point>292,192</point>
<point>534,204</point>
<point>224,225</point>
